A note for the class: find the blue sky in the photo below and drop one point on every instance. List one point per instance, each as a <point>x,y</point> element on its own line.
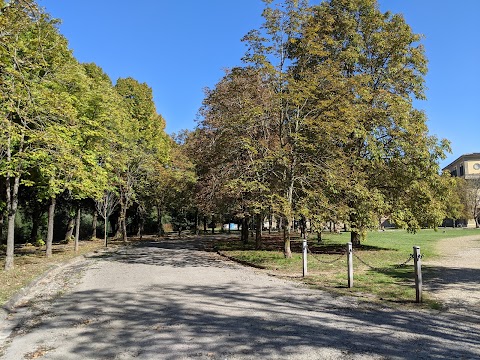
<point>180,47</point>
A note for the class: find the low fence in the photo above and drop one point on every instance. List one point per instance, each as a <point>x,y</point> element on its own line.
<point>350,254</point>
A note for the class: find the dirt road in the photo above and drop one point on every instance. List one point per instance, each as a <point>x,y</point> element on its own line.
<point>167,300</point>
<point>455,280</point>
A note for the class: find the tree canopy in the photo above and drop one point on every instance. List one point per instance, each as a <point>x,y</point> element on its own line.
<point>319,124</point>
<point>65,128</point>
<point>323,114</point>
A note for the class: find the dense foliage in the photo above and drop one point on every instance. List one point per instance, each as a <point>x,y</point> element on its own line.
<point>318,126</point>
<point>68,134</point>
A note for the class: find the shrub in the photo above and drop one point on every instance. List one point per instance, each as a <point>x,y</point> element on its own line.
<point>39,242</point>
<point>67,240</point>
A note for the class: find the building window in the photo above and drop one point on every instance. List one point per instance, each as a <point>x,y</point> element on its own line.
<point>454,172</point>
<point>462,172</point>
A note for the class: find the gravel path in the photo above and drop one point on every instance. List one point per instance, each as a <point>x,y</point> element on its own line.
<point>455,280</point>
<point>167,300</point>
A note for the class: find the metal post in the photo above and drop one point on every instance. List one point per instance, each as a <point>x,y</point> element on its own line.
<point>417,259</point>
<point>350,264</point>
<point>304,257</point>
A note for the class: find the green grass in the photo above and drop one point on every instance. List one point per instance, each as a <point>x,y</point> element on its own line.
<point>401,240</point>
<point>380,280</point>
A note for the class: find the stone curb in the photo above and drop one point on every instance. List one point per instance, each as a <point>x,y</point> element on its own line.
<point>9,306</point>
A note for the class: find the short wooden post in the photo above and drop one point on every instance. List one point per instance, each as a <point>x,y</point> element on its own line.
<point>350,264</point>
<point>417,259</point>
<point>304,257</point>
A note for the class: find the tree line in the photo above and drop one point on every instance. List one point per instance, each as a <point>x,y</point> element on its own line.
<point>318,124</point>
<point>69,134</point>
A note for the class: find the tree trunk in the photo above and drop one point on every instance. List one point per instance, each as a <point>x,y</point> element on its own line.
<point>124,225</point>
<point>118,228</point>
<point>77,229</point>
<point>70,227</point>
<point>51,217</point>
<point>35,226</point>
<point>141,222</point>
<point>10,242</point>
<point>160,229</point>
<point>303,226</point>
<point>251,225</point>
<point>12,205</point>
<point>244,232</point>
<point>270,223</point>
<point>2,217</point>
<point>94,224</point>
<point>197,222</point>
<point>123,222</point>
<point>213,224</point>
<point>258,231</point>
<point>141,228</point>
<point>287,252</point>
<point>105,223</point>
<point>355,238</point>
<point>204,224</point>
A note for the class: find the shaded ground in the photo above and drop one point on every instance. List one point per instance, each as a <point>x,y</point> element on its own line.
<point>170,300</point>
<point>454,278</point>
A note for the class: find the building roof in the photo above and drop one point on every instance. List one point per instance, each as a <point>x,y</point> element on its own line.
<point>472,156</point>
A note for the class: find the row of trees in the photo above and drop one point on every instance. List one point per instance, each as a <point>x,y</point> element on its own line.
<point>68,132</point>
<point>320,124</point>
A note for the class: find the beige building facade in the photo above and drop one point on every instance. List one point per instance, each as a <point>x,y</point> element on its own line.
<point>468,167</point>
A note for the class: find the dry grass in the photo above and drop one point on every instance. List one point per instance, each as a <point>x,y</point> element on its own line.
<point>30,263</point>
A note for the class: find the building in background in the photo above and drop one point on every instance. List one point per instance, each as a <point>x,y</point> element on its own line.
<point>468,167</point>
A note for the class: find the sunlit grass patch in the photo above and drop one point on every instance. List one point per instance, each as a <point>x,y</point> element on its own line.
<point>383,267</point>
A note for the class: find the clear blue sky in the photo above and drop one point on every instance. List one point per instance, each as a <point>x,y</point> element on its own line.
<point>180,47</point>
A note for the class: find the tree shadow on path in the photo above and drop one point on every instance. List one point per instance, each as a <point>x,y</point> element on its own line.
<point>242,318</point>
<point>246,322</point>
<point>176,253</point>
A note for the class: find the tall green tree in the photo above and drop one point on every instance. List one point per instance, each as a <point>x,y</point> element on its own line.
<point>237,144</point>
<point>386,151</point>
<point>31,53</point>
<point>144,142</point>
<point>269,49</point>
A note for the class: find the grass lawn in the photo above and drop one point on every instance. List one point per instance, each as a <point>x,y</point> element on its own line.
<point>30,263</point>
<point>377,274</point>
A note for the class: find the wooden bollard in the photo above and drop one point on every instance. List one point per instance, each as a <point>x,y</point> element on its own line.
<point>350,264</point>
<point>417,259</point>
